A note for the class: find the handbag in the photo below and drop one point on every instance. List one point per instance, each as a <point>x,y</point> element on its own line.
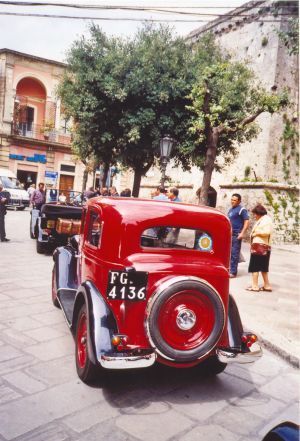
<point>260,249</point>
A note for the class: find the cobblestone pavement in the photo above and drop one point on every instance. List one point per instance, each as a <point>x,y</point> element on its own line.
<point>274,316</point>
<point>42,399</point>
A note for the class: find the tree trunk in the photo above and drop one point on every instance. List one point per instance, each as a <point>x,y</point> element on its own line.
<point>137,183</point>
<point>105,173</point>
<point>211,153</point>
<point>85,178</point>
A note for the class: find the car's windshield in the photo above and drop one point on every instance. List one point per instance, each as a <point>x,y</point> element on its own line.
<point>10,182</point>
<point>62,196</point>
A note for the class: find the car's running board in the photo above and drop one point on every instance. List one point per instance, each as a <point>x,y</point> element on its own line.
<point>66,298</point>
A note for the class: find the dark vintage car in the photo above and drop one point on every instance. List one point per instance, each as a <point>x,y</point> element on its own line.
<point>147,281</point>
<point>56,221</point>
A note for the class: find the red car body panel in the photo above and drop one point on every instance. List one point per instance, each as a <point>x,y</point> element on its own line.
<point>123,223</point>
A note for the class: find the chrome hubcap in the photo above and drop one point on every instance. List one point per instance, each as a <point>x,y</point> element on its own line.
<point>186,319</point>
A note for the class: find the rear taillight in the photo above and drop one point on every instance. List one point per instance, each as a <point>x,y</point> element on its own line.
<point>249,339</point>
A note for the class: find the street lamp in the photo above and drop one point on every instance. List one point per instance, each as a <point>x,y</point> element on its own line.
<point>166,144</point>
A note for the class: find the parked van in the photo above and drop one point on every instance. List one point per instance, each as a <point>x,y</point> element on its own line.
<point>19,198</point>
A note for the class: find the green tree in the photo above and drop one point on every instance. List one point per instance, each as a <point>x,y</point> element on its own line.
<point>157,84</point>
<point>92,95</point>
<point>124,95</point>
<point>226,100</point>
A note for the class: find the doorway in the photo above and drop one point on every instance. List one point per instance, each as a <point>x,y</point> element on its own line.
<point>66,183</point>
<point>26,178</point>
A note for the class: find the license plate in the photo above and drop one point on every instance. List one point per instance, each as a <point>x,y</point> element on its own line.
<point>124,285</point>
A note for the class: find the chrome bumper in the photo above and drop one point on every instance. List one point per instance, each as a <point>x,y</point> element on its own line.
<point>228,356</point>
<point>127,362</point>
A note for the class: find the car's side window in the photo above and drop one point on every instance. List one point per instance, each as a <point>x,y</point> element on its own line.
<point>94,231</point>
<point>176,237</point>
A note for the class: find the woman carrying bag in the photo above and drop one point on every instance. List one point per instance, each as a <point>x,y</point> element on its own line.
<point>260,249</point>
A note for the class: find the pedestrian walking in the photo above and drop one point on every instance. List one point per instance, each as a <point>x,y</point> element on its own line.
<point>38,197</point>
<point>260,249</point>
<point>239,219</point>
<point>3,202</point>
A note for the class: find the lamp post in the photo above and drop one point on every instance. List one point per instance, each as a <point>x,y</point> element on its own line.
<point>166,144</point>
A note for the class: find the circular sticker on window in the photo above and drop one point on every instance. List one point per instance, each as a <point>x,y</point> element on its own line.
<point>205,242</point>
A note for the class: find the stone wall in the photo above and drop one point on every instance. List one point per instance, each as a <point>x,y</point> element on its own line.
<point>281,202</point>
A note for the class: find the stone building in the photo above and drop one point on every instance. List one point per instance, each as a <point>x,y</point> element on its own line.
<point>35,141</point>
<point>266,169</point>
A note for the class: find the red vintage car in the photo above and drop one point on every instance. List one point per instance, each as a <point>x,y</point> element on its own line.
<point>147,281</point>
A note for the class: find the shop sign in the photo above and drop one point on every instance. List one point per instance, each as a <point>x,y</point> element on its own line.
<point>35,158</point>
<point>51,177</point>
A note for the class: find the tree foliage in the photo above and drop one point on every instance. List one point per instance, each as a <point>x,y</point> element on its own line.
<point>225,102</point>
<point>124,95</point>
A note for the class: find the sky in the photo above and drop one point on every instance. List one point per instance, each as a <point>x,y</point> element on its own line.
<point>50,37</point>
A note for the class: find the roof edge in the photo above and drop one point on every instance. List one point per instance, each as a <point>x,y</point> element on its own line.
<point>32,57</point>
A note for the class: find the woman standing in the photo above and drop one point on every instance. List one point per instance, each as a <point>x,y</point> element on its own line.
<point>260,240</point>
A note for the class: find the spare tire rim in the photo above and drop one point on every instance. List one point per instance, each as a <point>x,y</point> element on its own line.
<point>186,320</point>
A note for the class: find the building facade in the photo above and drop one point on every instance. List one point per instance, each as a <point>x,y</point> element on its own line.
<point>35,137</point>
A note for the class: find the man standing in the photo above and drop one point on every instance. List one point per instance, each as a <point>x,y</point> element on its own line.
<point>3,202</point>
<point>239,219</point>
<point>90,193</point>
<point>113,192</point>
<point>173,195</point>
<point>38,197</point>
<point>161,194</point>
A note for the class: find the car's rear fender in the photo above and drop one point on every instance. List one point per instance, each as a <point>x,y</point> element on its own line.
<point>243,347</point>
<point>234,325</point>
<point>101,321</point>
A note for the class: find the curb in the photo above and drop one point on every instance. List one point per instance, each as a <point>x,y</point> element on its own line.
<point>295,250</point>
<point>293,360</point>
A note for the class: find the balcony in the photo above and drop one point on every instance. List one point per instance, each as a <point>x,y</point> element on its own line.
<point>38,132</point>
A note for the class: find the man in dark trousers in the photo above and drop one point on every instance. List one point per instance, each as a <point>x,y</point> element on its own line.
<point>239,219</point>
<point>3,202</point>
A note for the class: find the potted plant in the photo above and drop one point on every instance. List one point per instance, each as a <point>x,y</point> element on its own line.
<point>47,127</point>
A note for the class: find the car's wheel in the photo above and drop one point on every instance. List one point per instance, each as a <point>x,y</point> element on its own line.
<point>212,366</point>
<point>41,247</point>
<point>86,370</point>
<point>21,208</point>
<point>54,288</point>
<point>186,320</point>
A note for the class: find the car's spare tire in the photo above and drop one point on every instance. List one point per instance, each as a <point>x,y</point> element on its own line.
<point>185,319</point>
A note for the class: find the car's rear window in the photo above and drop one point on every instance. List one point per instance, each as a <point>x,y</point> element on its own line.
<point>176,237</point>
<point>94,231</point>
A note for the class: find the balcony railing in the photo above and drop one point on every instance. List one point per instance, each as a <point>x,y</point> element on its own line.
<point>39,132</point>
